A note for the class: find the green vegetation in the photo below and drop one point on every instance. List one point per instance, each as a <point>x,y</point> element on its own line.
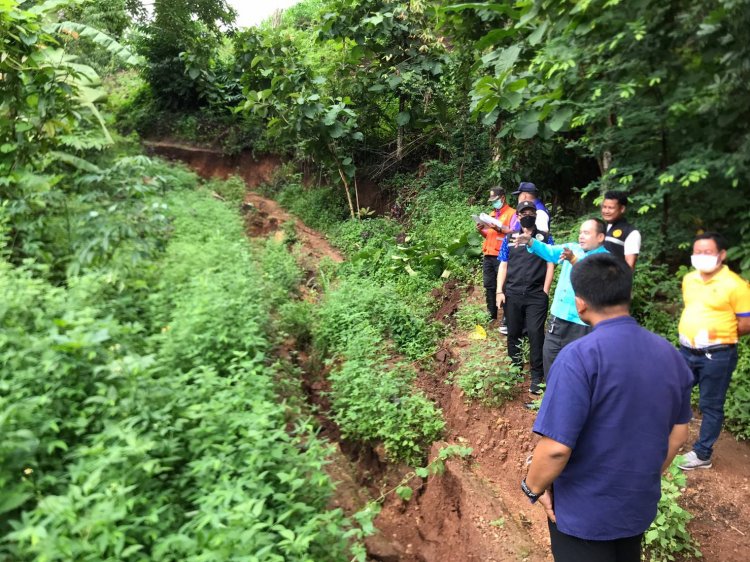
<point>162,437</point>
<point>141,412</point>
<point>484,377</point>
<point>371,388</point>
<point>668,538</point>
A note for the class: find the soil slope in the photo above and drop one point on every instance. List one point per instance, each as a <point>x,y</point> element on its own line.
<point>475,511</point>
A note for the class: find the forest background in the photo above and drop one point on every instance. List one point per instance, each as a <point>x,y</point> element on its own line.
<point>425,104</point>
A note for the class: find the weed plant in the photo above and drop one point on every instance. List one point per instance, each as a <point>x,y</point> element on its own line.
<point>352,305</point>
<point>161,438</point>
<point>373,399</point>
<point>470,315</point>
<point>486,373</point>
<point>232,190</point>
<point>372,395</point>
<point>320,208</point>
<point>737,406</point>
<point>668,538</point>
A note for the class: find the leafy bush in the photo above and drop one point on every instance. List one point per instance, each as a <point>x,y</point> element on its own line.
<point>297,319</point>
<point>737,406</point>
<point>232,190</point>
<point>353,305</point>
<point>320,208</point>
<point>668,536</point>
<point>470,315</point>
<point>373,400</point>
<point>371,395</point>
<point>655,292</point>
<point>160,444</point>
<point>486,374</point>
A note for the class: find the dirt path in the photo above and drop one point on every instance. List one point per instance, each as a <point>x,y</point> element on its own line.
<point>265,216</point>
<point>475,511</point>
<point>719,498</point>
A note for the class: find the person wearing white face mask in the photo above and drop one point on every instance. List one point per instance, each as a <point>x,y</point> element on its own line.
<point>716,314</point>
<point>493,239</point>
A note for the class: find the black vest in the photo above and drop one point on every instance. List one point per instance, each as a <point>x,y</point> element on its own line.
<point>616,235</point>
<point>526,271</point>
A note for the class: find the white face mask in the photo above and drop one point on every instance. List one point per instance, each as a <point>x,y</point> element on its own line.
<point>704,263</point>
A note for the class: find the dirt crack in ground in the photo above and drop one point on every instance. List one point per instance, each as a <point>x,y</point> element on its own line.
<point>475,511</point>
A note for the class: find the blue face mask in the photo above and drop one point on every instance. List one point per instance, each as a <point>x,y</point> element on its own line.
<point>497,204</point>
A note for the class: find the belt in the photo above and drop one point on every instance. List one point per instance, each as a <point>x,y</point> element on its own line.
<point>709,349</point>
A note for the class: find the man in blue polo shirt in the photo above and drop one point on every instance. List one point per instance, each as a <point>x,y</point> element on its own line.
<point>564,325</point>
<point>614,415</point>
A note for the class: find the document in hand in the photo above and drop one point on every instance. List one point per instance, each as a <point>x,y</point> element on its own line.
<point>490,221</point>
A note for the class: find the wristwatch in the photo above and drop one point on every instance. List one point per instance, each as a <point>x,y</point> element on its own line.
<point>529,494</point>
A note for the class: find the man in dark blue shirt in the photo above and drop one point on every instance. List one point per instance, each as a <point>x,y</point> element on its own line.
<point>613,417</point>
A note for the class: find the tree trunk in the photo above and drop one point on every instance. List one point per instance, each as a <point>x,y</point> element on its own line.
<point>400,134</point>
<point>356,196</point>
<point>348,194</point>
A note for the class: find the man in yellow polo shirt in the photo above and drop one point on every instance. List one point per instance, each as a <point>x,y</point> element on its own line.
<point>717,313</point>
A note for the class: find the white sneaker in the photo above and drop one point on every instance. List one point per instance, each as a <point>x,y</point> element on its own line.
<point>691,462</point>
<point>503,330</point>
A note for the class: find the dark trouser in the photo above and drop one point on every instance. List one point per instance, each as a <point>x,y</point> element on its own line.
<point>527,311</point>
<point>566,548</point>
<point>559,334</point>
<point>711,372</point>
<point>490,265</point>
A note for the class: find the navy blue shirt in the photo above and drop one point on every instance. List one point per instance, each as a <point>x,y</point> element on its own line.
<point>613,397</point>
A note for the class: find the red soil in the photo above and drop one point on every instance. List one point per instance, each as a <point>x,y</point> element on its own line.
<point>475,510</point>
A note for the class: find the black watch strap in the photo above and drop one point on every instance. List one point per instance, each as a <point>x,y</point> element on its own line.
<point>529,494</point>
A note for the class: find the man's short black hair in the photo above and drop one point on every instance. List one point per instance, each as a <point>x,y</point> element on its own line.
<point>621,196</point>
<point>601,226</point>
<point>602,280</point>
<point>721,242</point>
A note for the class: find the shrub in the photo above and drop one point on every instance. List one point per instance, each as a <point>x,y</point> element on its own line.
<point>232,190</point>
<point>668,535</point>
<point>373,400</point>
<point>737,406</point>
<point>487,374</point>
<point>163,444</point>
<point>320,208</point>
<point>353,305</point>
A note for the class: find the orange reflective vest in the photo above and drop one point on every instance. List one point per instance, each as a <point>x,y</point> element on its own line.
<point>492,238</point>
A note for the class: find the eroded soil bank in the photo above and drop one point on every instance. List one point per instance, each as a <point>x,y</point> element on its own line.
<point>475,511</point>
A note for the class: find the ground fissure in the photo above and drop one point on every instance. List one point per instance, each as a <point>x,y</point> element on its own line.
<point>474,511</point>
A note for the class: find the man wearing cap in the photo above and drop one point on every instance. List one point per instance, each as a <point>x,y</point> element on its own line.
<point>622,239</point>
<point>527,191</point>
<point>565,325</point>
<point>493,238</point>
<point>523,283</point>
<point>716,314</point>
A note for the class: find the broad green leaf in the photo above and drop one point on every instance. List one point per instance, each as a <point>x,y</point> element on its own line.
<point>527,130</point>
<point>560,119</point>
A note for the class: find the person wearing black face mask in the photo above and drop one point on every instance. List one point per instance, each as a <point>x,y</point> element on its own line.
<point>523,284</point>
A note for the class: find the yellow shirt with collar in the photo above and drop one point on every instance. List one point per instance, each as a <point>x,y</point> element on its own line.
<point>712,308</point>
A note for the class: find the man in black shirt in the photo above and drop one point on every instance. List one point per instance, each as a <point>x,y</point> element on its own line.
<point>523,284</point>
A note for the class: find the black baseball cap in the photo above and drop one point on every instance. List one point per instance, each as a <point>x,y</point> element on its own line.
<point>526,187</point>
<point>496,193</point>
<point>523,205</point>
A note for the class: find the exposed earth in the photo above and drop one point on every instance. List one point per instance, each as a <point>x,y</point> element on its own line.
<point>475,510</point>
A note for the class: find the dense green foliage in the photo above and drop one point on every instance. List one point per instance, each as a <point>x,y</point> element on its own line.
<point>140,414</point>
<point>579,97</point>
<point>668,538</point>
<point>371,388</point>
<point>161,437</point>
